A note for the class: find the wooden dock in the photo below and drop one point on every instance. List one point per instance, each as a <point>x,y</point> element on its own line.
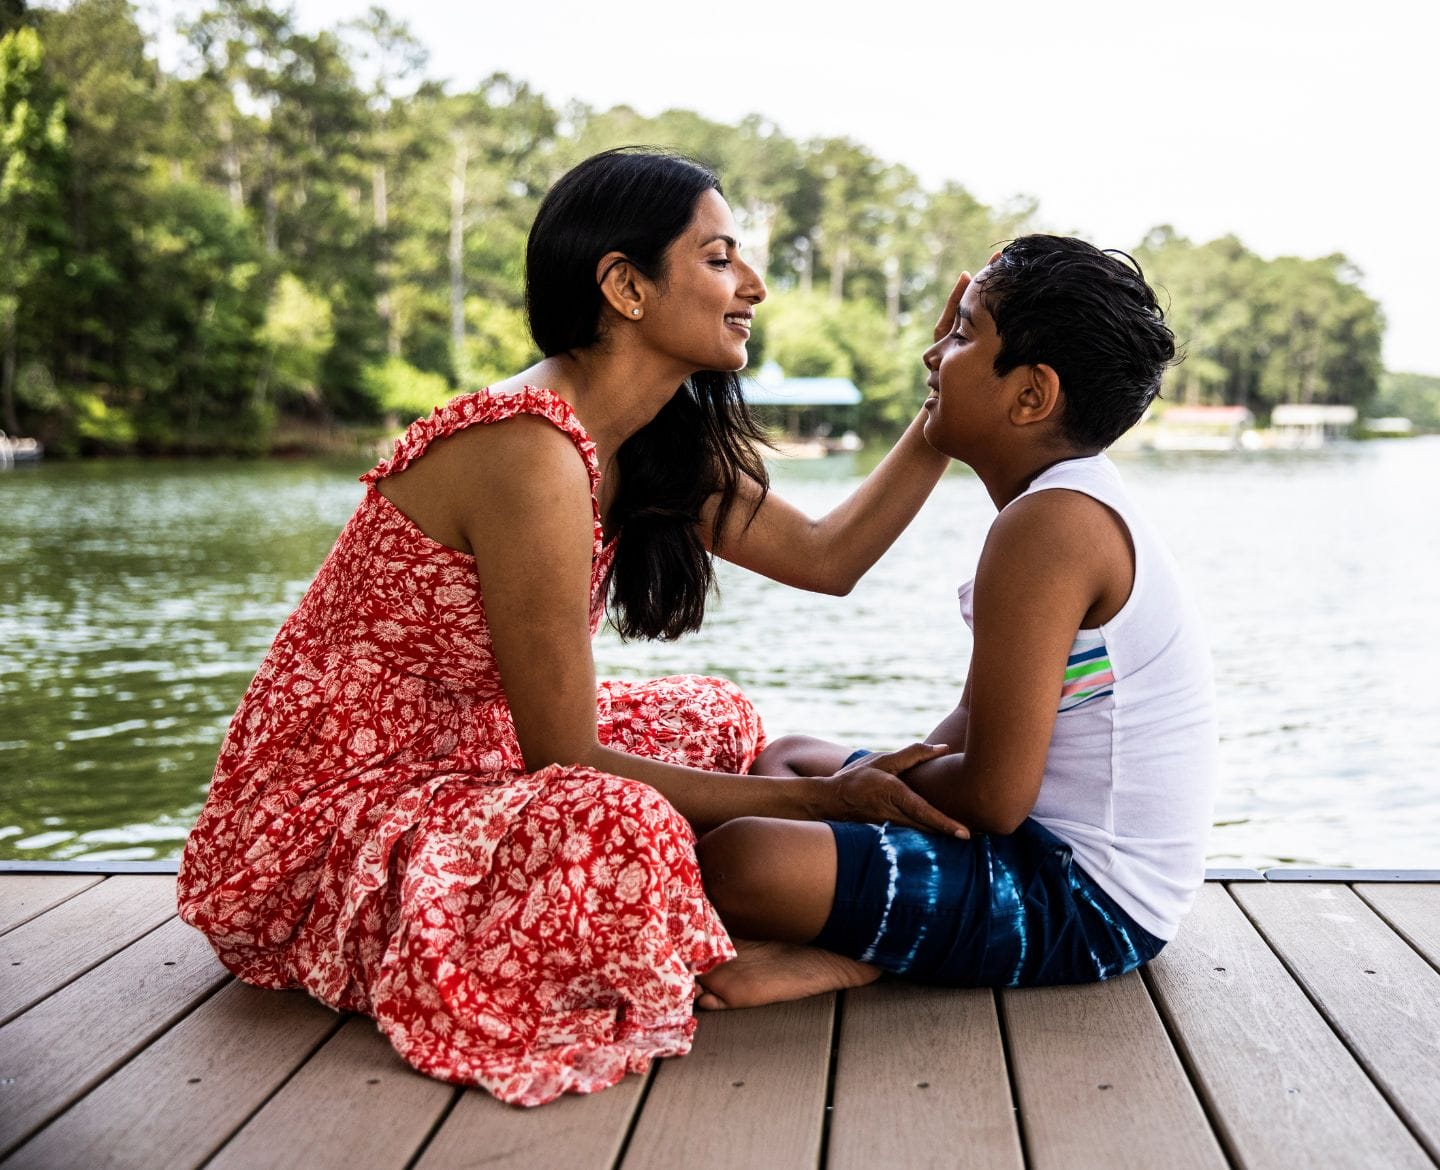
<point>1294,1025</point>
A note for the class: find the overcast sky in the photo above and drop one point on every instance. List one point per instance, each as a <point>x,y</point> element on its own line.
<point>1303,128</point>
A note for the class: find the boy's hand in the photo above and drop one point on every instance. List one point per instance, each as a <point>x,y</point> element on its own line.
<point>870,790</point>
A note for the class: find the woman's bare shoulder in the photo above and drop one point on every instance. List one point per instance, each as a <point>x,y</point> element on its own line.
<point>524,448</point>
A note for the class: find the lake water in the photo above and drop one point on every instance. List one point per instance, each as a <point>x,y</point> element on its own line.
<point>137,599</point>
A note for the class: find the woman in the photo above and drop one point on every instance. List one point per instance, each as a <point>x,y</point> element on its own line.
<point>422,810</point>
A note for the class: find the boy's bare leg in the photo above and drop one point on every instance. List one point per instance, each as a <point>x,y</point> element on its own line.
<point>799,755</point>
<point>773,883</point>
<point>772,972</point>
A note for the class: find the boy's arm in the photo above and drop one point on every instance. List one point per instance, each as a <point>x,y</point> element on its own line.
<point>954,727</point>
<point>1053,563</point>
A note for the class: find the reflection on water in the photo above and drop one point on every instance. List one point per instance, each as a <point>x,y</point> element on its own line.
<point>136,600</point>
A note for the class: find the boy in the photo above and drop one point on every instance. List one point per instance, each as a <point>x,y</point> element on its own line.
<point>1083,752</point>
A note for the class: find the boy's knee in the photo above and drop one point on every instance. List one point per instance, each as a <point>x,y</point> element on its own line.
<point>788,743</point>
<point>732,865</point>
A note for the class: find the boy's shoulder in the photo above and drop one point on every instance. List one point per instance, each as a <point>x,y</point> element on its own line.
<point>1063,548</point>
<point>1065,520</point>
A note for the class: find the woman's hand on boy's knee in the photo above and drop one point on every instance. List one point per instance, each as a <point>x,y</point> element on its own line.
<point>870,790</point>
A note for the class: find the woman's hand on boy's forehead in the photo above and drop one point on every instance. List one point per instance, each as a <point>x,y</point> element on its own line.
<point>952,306</point>
<point>952,303</point>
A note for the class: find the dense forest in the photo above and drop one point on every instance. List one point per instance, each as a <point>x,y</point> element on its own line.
<point>291,234</point>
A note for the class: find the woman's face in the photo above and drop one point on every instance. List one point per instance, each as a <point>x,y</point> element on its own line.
<point>702,307</point>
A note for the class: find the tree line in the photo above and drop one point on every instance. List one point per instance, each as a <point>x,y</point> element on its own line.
<point>291,229</point>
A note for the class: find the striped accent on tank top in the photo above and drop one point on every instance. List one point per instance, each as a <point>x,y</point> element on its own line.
<point>1088,674</point>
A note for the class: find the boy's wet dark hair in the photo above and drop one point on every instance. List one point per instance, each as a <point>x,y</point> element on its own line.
<point>1089,315</point>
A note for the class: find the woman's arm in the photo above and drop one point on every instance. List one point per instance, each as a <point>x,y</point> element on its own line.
<point>831,554</point>
<point>521,497</point>
<point>1046,563</point>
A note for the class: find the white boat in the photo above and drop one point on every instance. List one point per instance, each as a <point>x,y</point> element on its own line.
<point>21,450</point>
<point>1297,426</point>
<point>1198,428</point>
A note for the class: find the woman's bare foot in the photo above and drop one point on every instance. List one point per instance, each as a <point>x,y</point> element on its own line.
<point>769,972</point>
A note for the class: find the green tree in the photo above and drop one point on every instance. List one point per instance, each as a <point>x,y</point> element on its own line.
<point>298,332</point>
<point>12,15</point>
<point>956,232</point>
<point>393,57</point>
<point>1412,396</point>
<point>1323,333</point>
<point>300,223</point>
<point>404,393</point>
<point>852,208</point>
<point>96,53</point>
<point>32,158</point>
<point>809,335</point>
<point>463,222</point>
<point>1261,332</point>
<point>243,48</point>
<point>1206,291</point>
<point>196,358</point>
<point>497,342</point>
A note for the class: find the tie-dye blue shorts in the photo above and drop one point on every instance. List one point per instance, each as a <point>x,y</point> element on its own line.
<point>991,911</point>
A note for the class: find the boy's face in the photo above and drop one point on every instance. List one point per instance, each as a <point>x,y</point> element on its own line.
<point>967,398</point>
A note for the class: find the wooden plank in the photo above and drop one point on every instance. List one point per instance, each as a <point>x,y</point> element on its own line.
<point>1281,1088</point>
<point>749,1096</point>
<point>1380,996</point>
<point>575,1132</point>
<point>1285,874</point>
<point>23,896</point>
<point>1412,910</point>
<point>170,865</point>
<point>54,1053</point>
<point>1098,1083</point>
<point>48,952</point>
<point>1234,875</point>
<point>353,1104</point>
<point>920,1081</point>
<point>176,1103</point>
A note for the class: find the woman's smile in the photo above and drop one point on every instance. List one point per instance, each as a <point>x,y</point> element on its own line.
<point>740,322</point>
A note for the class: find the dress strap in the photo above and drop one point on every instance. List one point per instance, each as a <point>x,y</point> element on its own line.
<point>486,406</point>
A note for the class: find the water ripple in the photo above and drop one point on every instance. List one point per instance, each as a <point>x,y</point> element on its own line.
<point>136,601</point>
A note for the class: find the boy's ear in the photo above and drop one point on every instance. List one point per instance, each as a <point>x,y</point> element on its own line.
<point>1039,398</point>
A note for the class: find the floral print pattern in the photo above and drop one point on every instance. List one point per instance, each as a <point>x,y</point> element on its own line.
<point>372,836</point>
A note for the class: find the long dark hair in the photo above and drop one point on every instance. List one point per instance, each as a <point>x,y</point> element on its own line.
<point>703,441</point>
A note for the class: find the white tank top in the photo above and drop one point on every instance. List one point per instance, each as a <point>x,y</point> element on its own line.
<point>1133,765</point>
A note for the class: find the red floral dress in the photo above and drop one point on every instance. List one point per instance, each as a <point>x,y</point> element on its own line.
<point>372,835</point>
